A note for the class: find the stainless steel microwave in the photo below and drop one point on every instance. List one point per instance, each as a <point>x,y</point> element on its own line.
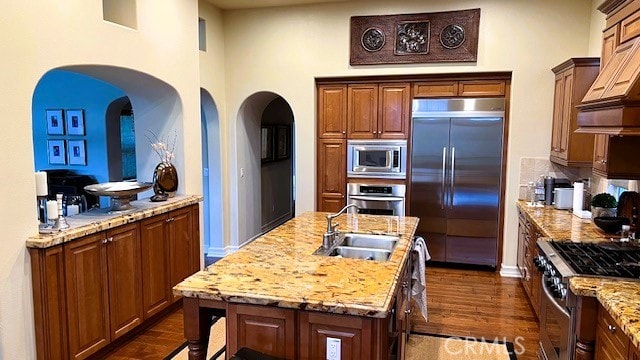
<point>377,158</point>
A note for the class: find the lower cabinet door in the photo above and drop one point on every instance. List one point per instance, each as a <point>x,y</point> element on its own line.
<point>154,237</point>
<point>265,329</point>
<point>354,333</point>
<point>125,282</point>
<point>87,295</point>
<point>180,244</point>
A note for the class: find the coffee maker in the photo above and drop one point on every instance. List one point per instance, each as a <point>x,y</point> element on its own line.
<point>551,183</point>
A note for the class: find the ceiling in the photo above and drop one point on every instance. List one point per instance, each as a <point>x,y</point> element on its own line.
<point>249,4</point>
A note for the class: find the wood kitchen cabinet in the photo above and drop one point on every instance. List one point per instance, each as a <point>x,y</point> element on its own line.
<point>95,289</point>
<point>332,174</point>
<point>611,342</point>
<point>572,81</point>
<point>459,88</point>
<point>615,157</point>
<point>528,234</point>
<point>610,40</point>
<point>378,111</point>
<point>269,330</point>
<point>103,285</point>
<point>332,111</point>
<point>355,334</point>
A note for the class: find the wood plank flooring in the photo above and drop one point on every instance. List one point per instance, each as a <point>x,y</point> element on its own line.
<point>464,303</point>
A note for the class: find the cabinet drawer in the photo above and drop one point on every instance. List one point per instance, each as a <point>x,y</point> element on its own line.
<point>612,332</point>
<point>435,89</point>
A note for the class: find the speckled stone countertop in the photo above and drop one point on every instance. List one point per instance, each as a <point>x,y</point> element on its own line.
<point>562,224</point>
<point>279,269</point>
<point>92,222</point>
<point>620,298</point>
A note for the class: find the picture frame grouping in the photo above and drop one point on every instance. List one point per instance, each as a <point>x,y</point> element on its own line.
<point>69,122</point>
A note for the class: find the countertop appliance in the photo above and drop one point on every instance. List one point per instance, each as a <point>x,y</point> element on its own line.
<point>559,261</point>
<point>456,176</point>
<point>377,199</point>
<point>563,198</point>
<point>377,159</point>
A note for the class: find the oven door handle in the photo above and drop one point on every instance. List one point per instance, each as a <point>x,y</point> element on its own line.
<point>376,198</point>
<point>551,298</point>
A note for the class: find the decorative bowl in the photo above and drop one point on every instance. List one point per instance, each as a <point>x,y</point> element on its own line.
<point>611,224</point>
<point>120,192</point>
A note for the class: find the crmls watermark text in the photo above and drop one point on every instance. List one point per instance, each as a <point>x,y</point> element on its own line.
<point>482,346</point>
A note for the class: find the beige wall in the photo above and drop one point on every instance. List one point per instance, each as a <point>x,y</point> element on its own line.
<point>283,49</point>
<point>598,22</point>
<point>40,35</point>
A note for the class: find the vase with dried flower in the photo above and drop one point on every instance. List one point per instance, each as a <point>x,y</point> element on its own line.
<point>165,175</point>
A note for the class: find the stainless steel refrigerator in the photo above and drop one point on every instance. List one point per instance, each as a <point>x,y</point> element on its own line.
<point>456,175</point>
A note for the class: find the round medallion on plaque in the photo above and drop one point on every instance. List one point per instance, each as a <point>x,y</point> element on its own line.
<point>452,36</point>
<point>372,39</point>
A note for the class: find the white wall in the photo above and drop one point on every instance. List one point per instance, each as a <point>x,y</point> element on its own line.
<point>46,35</point>
<point>283,49</point>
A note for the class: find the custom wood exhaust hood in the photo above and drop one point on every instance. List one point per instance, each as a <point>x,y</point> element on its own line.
<point>612,104</point>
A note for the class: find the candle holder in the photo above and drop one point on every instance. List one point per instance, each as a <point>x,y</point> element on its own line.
<point>43,226</point>
<point>61,222</point>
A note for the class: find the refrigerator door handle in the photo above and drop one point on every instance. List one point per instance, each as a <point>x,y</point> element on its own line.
<point>444,160</point>
<point>453,176</point>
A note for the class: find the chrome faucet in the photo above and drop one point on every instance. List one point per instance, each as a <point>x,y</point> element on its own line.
<point>330,236</point>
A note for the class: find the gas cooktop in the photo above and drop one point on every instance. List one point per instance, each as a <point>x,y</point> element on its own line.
<point>610,259</point>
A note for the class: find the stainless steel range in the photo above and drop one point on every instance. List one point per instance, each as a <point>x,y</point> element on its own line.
<point>559,261</point>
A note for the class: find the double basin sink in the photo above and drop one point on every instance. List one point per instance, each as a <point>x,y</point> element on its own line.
<point>362,246</point>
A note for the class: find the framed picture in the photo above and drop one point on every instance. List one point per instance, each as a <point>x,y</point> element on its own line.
<point>283,142</point>
<point>55,122</point>
<point>57,153</point>
<point>77,152</point>
<point>75,122</point>
<point>266,144</point>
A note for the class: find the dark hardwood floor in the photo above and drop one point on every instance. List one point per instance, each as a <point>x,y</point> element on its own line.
<point>464,303</point>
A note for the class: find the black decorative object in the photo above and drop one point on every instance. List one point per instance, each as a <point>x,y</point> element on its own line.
<point>165,181</point>
<point>452,36</point>
<point>610,224</point>
<point>412,37</point>
<point>372,39</point>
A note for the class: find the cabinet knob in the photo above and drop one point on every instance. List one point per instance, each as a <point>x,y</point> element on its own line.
<point>611,328</point>
<point>344,132</point>
<point>404,284</point>
<point>170,219</point>
<point>408,311</point>
<point>105,241</point>
<point>110,239</point>
<point>604,161</point>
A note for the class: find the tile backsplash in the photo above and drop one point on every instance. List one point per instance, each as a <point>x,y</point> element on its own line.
<point>532,168</point>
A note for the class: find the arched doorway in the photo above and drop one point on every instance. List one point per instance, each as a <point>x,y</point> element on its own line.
<point>211,177</point>
<point>265,157</point>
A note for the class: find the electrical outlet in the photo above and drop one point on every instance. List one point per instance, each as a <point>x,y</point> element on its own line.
<point>241,172</point>
<point>333,348</point>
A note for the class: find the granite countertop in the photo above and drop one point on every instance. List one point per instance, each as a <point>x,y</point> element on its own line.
<point>98,220</point>
<point>620,298</point>
<point>279,269</point>
<point>562,224</point>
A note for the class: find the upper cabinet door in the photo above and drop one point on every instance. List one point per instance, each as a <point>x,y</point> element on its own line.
<point>610,39</point>
<point>394,111</point>
<point>332,111</point>
<point>556,134</point>
<point>362,114</point>
<point>567,108</point>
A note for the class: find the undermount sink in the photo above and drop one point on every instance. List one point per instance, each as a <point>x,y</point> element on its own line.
<point>385,242</point>
<point>361,253</point>
<point>362,246</point>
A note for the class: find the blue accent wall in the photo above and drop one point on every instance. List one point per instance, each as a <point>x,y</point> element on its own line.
<point>59,89</point>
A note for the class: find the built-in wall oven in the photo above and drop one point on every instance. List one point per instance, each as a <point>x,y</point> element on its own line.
<point>377,199</point>
<point>377,159</point>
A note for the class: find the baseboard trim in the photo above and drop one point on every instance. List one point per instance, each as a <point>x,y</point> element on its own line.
<point>220,252</point>
<point>510,271</point>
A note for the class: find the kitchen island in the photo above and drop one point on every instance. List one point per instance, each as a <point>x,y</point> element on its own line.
<point>281,299</point>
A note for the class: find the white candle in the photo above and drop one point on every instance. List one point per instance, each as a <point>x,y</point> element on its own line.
<point>73,209</point>
<point>52,209</point>
<point>41,183</point>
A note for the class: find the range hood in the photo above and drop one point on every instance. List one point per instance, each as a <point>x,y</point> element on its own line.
<point>612,104</point>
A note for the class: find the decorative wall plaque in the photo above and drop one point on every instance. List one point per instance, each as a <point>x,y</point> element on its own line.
<point>450,36</point>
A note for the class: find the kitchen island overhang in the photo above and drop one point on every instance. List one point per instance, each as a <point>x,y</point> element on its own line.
<point>279,270</point>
